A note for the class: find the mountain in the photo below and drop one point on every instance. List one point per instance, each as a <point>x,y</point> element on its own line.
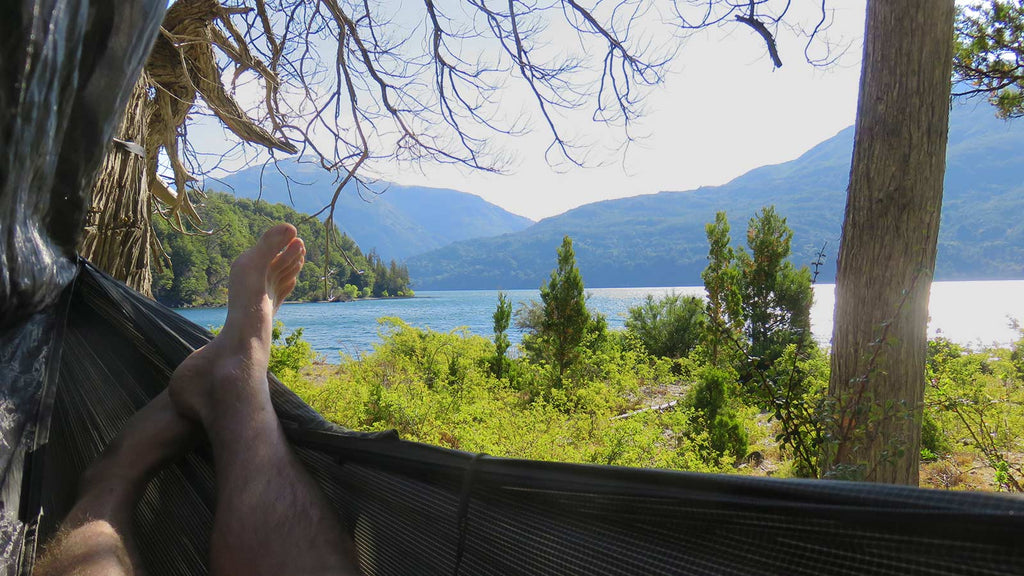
<point>658,239</point>
<point>397,221</point>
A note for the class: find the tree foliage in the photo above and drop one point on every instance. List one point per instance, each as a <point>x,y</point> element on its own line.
<point>502,317</point>
<point>669,327</point>
<point>758,302</point>
<point>776,296</point>
<point>721,283</point>
<point>199,264</point>
<point>565,320</point>
<point>443,388</point>
<point>988,55</point>
<point>759,325</point>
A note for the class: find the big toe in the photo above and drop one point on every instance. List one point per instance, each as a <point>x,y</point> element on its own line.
<point>275,240</point>
<point>284,270</point>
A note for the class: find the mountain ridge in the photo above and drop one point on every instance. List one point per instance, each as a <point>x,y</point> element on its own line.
<point>658,239</point>
<point>395,220</point>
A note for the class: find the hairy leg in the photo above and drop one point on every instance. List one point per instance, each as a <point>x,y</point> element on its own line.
<point>96,539</point>
<point>271,517</point>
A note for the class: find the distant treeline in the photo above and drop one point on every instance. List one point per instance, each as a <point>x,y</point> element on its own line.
<point>200,263</point>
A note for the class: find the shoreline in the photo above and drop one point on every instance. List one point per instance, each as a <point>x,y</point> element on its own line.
<point>295,302</point>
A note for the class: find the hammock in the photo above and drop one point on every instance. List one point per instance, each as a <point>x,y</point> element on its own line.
<point>80,353</point>
<point>418,509</point>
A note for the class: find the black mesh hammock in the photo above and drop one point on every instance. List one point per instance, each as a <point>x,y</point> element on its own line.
<point>80,352</point>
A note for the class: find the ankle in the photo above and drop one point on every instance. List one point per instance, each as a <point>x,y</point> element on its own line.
<point>107,493</point>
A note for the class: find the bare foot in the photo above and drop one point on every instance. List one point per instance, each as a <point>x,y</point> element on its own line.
<point>260,280</point>
<point>271,517</point>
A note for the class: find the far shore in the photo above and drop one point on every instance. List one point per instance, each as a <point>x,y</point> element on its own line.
<point>286,302</point>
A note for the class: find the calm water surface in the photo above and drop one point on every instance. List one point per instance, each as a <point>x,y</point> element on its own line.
<point>972,313</point>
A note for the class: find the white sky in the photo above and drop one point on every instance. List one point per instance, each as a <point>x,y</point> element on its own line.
<point>723,111</point>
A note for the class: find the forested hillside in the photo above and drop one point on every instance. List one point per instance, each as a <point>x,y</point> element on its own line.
<point>200,263</point>
<point>658,240</point>
<point>397,221</point>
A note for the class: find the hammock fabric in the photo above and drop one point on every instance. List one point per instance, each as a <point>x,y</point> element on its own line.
<point>80,353</point>
<point>417,509</point>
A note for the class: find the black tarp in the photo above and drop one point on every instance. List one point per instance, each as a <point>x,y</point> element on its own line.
<point>66,70</point>
<point>79,353</point>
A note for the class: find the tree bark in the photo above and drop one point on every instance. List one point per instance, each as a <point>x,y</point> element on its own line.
<point>118,235</point>
<point>887,252</point>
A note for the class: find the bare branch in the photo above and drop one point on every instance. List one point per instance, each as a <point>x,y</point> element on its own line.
<point>352,85</point>
<point>759,27</point>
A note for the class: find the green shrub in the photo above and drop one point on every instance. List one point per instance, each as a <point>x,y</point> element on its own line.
<point>932,439</point>
<point>670,327</point>
<point>713,413</point>
<point>439,388</point>
<point>291,355</point>
<point>975,402</point>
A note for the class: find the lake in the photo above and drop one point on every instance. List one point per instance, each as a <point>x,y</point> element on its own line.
<point>971,313</point>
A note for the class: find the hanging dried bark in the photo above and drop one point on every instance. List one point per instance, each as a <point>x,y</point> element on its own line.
<point>181,69</point>
<point>117,231</point>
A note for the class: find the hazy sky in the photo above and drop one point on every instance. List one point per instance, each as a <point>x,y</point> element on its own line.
<point>722,111</point>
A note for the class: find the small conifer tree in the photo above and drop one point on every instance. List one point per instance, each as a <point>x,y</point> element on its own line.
<point>757,300</point>
<point>710,402</point>
<point>776,295</point>
<point>565,312</point>
<point>502,316</point>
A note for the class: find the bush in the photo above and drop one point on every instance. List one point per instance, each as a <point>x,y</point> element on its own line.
<point>713,413</point>
<point>974,401</point>
<point>351,291</point>
<point>439,388</point>
<point>291,355</point>
<point>671,327</point>
<point>932,439</point>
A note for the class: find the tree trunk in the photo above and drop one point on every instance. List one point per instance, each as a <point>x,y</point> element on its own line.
<point>887,253</point>
<point>118,235</point>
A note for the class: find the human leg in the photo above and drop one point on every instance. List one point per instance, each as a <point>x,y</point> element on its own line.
<point>95,538</point>
<point>271,517</point>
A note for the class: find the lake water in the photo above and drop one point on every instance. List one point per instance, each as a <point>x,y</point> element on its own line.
<point>971,313</point>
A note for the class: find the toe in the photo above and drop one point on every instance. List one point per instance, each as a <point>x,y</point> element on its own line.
<point>288,257</point>
<point>286,275</point>
<point>275,240</point>
<point>291,273</point>
<point>284,290</point>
